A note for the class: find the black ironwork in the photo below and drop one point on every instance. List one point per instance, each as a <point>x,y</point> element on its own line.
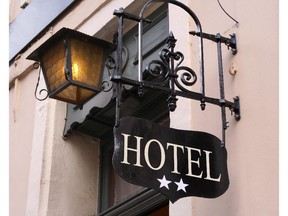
<point>221,86</point>
<point>37,65</point>
<point>170,70</point>
<point>230,42</point>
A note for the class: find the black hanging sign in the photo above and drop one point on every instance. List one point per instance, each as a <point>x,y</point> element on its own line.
<point>176,163</point>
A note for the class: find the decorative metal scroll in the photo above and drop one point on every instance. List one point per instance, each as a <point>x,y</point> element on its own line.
<point>164,68</point>
<point>172,42</point>
<point>111,65</point>
<point>36,93</point>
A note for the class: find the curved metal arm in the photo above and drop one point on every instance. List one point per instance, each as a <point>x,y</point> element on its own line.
<point>199,29</point>
<point>37,85</point>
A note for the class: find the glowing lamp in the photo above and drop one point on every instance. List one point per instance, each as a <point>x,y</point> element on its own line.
<point>72,64</point>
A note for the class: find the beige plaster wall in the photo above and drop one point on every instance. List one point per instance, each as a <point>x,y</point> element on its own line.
<point>21,117</point>
<point>14,9</point>
<point>69,184</point>
<point>48,175</point>
<point>252,143</point>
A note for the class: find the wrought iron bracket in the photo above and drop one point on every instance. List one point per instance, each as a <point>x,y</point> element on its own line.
<point>236,108</point>
<point>173,78</point>
<point>229,42</point>
<point>36,92</point>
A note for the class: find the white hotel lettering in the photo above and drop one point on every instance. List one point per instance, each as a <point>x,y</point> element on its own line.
<point>175,149</point>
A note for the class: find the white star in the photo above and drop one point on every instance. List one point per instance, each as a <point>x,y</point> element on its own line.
<point>181,185</point>
<point>164,182</point>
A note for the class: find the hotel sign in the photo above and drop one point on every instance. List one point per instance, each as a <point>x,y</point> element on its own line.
<point>176,163</point>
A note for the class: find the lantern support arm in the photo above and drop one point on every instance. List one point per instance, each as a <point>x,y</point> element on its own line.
<point>121,13</point>
<point>233,106</point>
<point>36,92</point>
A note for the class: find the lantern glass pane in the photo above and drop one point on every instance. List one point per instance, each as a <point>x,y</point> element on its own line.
<point>87,63</point>
<point>75,95</point>
<point>53,63</point>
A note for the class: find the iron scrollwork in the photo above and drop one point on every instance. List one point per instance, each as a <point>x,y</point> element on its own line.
<point>160,68</point>
<point>36,93</point>
<point>166,69</point>
<point>111,65</point>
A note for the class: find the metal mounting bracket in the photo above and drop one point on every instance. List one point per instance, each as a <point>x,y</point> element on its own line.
<point>229,42</point>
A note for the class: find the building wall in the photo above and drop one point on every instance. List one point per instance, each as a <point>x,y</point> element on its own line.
<point>21,122</point>
<point>252,143</point>
<point>53,176</point>
<point>14,9</point>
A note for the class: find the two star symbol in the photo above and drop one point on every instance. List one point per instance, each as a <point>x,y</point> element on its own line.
<point>165,183</point>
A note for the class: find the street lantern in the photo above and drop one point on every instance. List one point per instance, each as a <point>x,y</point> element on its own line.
<point>72,64</point>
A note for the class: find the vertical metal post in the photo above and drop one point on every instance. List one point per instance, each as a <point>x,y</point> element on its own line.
<point>118,71</point>
<point>140,56</point>
<point>221,86</point>
<point>172,76</point>
<point>201,62</point>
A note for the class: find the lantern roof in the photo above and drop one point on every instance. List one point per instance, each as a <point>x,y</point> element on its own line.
<point>66,33</point>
